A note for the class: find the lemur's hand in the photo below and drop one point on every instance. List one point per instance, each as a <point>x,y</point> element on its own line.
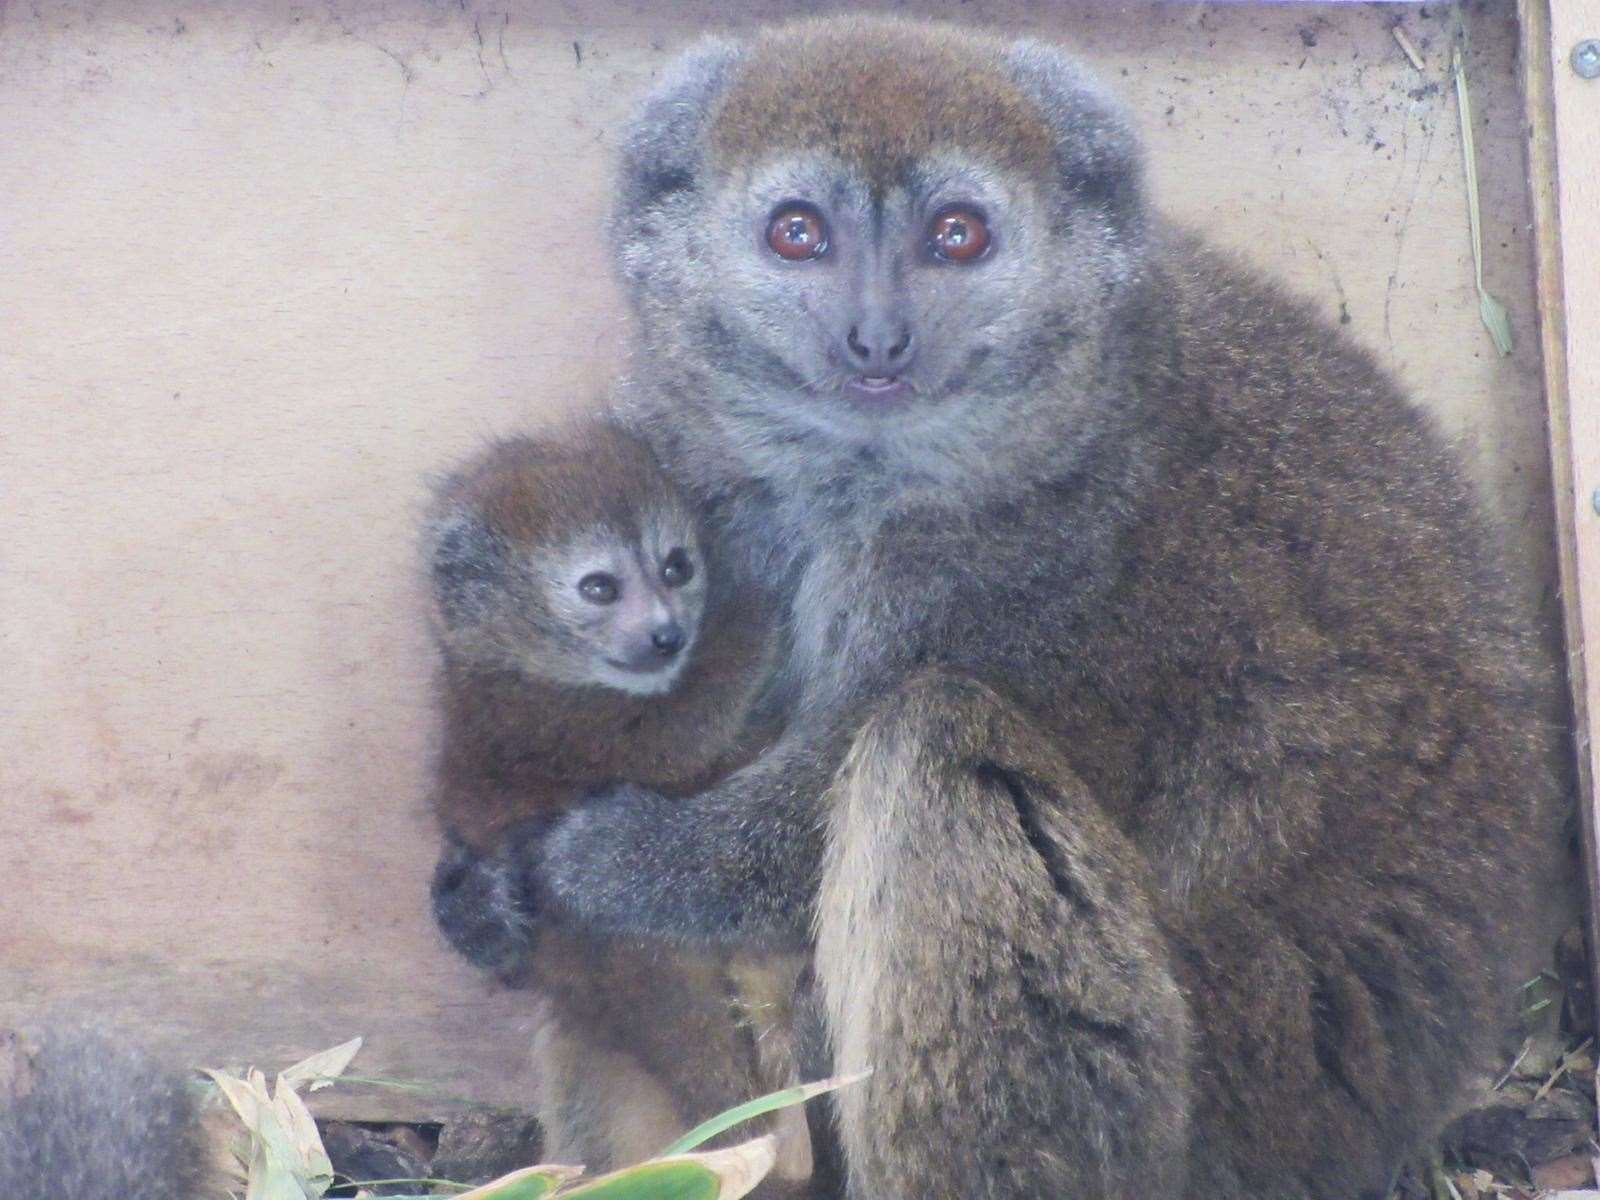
<point>483,905</point>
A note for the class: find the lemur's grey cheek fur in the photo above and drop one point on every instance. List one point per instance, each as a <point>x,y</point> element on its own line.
<point>663,259</point>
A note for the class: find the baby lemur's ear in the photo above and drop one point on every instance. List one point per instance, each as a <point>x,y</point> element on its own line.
<point>663,143</point>
<point>1097,150</point>
<point>466,560</point>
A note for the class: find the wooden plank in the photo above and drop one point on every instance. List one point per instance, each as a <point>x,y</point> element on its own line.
<point>1563,124</point>
<point>440,1049</point>
<point>263,267</point>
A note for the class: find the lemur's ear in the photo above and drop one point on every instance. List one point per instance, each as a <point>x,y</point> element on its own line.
<point>466,560</point>
<point>1096,148</point>
<point>664,141</point>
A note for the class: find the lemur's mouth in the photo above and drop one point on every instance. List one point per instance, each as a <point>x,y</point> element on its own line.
<point>647,666</point>
<point>877,388</point>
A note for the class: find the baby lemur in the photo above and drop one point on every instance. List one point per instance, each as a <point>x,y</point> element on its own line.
<point>583,638</point>
<point>587,637</point>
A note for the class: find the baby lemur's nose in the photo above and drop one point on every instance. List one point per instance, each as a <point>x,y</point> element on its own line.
<point>667,639</point>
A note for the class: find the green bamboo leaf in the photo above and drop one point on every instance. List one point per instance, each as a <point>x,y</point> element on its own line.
<point>530,1183</point>
<point>1497,321</point>
<point>716,1175</point>
<point>761,1105</point>
<point>651,1181</point>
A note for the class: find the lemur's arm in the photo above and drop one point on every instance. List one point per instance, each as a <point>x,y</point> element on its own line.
<point>738,862</point>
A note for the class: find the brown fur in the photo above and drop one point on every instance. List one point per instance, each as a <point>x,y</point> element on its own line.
<point>881,116</point>
<point>518,748</point>
<point>1176,760</point>
<point>1291,765</point>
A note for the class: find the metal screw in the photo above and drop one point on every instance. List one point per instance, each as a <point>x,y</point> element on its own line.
<point>1586,58</point>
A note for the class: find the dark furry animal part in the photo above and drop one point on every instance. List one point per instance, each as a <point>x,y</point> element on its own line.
<point>84,1117</point>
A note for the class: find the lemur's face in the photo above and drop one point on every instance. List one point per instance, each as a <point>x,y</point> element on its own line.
<point>911,310</point>
<point>894,256</point>
<point>623,613</point>
<point>868,303</point>
<point>599,607</point>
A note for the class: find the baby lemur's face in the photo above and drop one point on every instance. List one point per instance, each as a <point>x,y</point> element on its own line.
<point>621,612</point>
<point>568,567</point>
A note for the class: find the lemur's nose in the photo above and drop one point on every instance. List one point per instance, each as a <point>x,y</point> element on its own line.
<point>878,348</point>
<point>667,639</point>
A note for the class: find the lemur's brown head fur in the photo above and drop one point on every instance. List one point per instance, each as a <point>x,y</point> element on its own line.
<point>570,559</point>
<point>882,95</point>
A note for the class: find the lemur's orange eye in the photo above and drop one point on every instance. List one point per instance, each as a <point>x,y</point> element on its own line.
<point>797,232</point>
<point>958,235</point>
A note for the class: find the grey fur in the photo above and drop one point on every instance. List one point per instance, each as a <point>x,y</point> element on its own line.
<point>662,151</point>
<point>85,1117</point>
<point>1193,745</point>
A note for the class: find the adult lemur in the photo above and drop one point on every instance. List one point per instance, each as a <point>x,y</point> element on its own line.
<point>1167,752</point>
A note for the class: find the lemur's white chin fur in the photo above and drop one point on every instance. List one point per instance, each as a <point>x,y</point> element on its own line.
<point>640,683</point>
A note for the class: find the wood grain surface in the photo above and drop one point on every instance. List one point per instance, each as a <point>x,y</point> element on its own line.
<point>1563,122</point>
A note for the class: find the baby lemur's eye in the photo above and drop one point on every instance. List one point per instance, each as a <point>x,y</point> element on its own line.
<point>676,569</point>
<point>797,232</point>
<point>958,234</point>
<point>598,588</point>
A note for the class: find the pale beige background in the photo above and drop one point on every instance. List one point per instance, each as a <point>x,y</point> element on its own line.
<point>264,266</point>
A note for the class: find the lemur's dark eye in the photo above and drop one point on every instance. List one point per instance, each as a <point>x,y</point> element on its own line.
<point>797,232</point>
<point>676,569</point>
<point>958,235</point>
<point>598,588</point>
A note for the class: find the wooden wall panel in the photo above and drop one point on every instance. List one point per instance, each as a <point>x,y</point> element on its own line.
<point>1563,123</point>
